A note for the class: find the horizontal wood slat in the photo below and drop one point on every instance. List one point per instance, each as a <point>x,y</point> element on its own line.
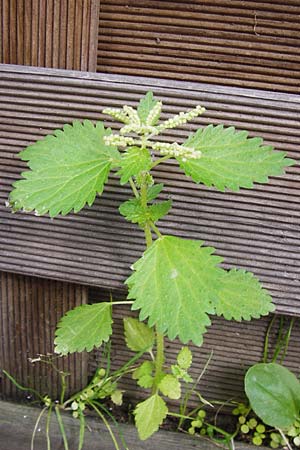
<point>247,44</point>
<point>29,311</point>
<point>256,229</point>
<point>49,33</point>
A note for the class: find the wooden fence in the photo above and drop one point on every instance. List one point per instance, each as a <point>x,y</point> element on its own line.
<point>243,69</point>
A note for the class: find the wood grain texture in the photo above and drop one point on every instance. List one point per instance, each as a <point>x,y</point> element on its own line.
<point>254,44</point>
<point>49,33</point>
<point>17,423</point>
<point>29,311</point>
<point>62,34</point>
<point>257,229</point>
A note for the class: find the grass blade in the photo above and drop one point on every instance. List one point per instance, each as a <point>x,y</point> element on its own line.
<point>61,427</point>
<point>81,430</point>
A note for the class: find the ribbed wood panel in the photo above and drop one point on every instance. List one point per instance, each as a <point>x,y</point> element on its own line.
<point>238,43</point>
<point>29,310</point>
<point>254,229</point>
<point>234,347</point>
<point>49,33</point>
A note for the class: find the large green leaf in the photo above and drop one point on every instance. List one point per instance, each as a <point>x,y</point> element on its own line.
<point>138,335</point>
<point>149,415</point>
<point>274,394</point>
<point>229,159</point>
<point>174,285</point>
<point>133,161</point>
<point>83,328</point>
<point>240,296</point>
<point>68,169</point>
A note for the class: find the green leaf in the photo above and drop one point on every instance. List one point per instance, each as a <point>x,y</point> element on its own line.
<point>159,210</point>
<point>147,103</point>
<point>138,335</point>
<point>274,394</point>
<point>240,296</point>
<point>154,191</point>
<point>117,397</point>
<point>149,415</point>
<point>68,169</point>
<point>143,374</point>
<point>170,387</point>
<point>174,286</point>
<point>181,373</point>
<point>184,358</point>
<point>83,328</point>
<point>229,159</point>
<point>133,211</point>
<point>134,161</point>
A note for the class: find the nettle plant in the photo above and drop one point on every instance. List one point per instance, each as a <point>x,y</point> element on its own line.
<point>177,283</point>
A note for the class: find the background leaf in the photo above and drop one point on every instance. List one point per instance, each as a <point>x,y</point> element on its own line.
<point>240,296</point>
<point>133,161</point>
<point>229,159</point>
<point>83,328</point>
<point>149,415</point>
<point>174,286</point>
<point>138,335</point>
<point>68,169</point>
<point>274,394</point>
<point>184,358</point>
<point>146,104</point>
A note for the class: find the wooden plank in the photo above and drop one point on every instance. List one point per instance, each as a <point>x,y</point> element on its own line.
<point>17,423</point>
<point>255,229</point>
<point>29,311</point>
<point>246,44</point>
<point>52,33</point>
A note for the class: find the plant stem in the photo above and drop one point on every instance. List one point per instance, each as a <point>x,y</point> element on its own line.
<point>285,439</point>
<point>287,340</point>
<point>133,187</point>
<point>63,387</point>
<point>62,428</point>
<point>266,343</point>
<point>159,357</point>
<point>159,360</point>
<point>147,229</point>
<point>158,161</point>
<point>155,229</point>
<point>36,427</point>
<point>106,424</point>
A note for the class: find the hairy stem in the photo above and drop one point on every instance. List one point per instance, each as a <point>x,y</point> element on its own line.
<point>147,228</point>
<point>160,356</point>
<point>159,360</point>
<point>133,187</point>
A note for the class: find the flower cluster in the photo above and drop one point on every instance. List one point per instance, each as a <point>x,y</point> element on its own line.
<point>121,141</point>
<point>118,114</point>
<point>154,114</point>
<point>175,150</point>
<point>139,129</point>
<point>181,118</point>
